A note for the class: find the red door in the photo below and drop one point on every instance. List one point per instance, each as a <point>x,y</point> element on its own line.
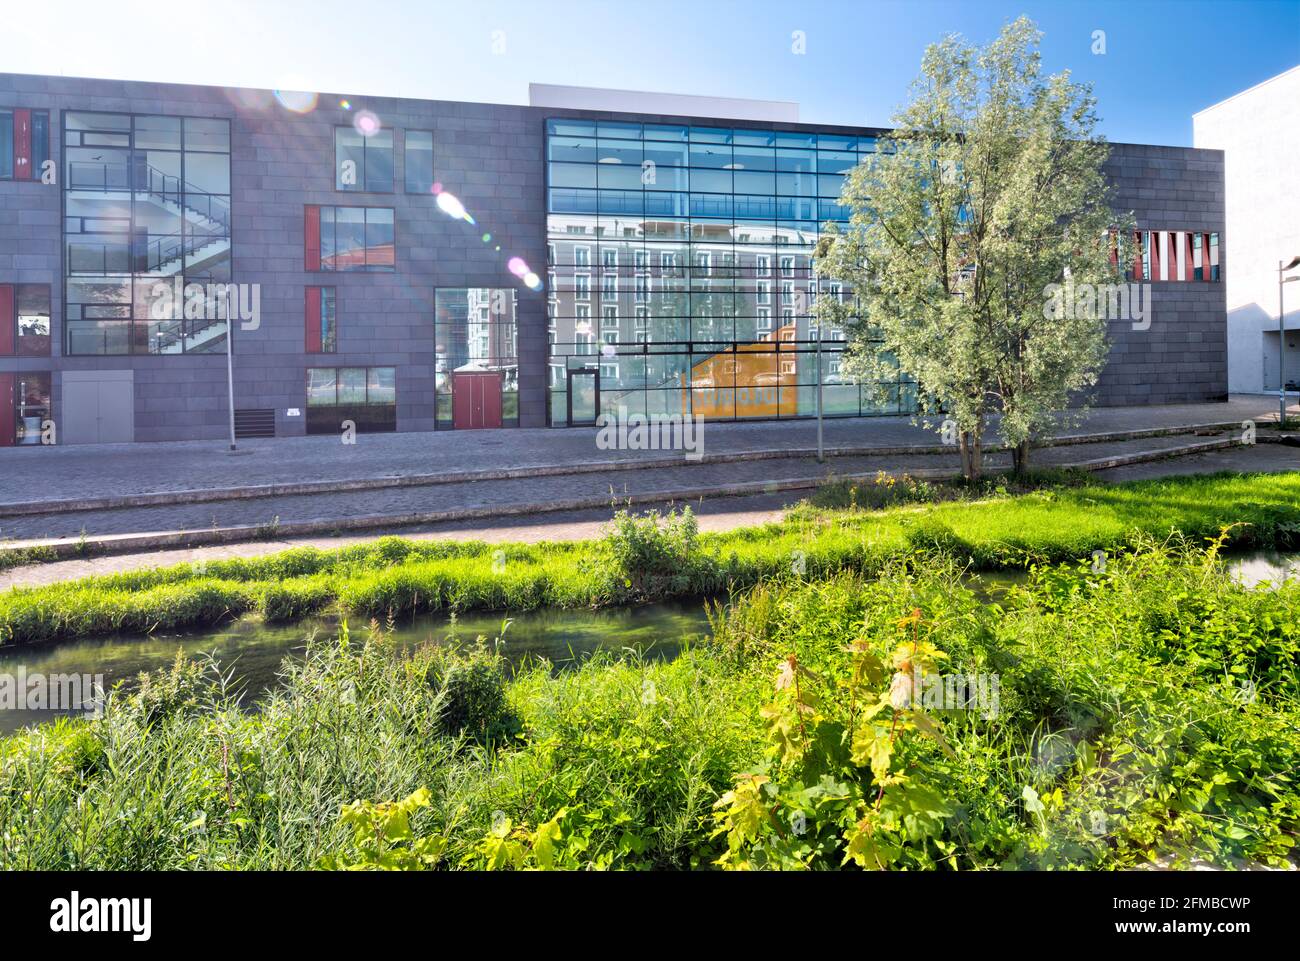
<point>8,410</point>
<point>475,400</point>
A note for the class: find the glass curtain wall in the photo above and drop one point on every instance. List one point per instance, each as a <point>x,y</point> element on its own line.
<point>147,210</point>
<point>680,269</point>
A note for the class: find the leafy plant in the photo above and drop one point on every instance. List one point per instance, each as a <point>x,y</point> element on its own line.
<point>382,838</point>
<point>836,788</point>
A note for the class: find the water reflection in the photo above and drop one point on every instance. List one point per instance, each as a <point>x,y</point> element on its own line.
<point>253,650</point>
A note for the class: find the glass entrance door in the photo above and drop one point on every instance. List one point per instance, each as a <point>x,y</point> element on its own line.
<point>584,397</point>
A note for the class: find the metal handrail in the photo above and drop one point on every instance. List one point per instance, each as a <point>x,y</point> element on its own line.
<point>184,190</point>
<point>167,249</point>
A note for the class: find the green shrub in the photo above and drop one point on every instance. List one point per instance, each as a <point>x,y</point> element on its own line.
<point>653,554</point>
<point>472,684</point>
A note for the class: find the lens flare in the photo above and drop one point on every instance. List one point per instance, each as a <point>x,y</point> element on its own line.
<point>517,266</point>
<point>244,99</point>
<point>367,124</point>
<point>487,238</point>
<point>450,205</point>
<point>297,101</point>
<point>345,104</point>
<point>533,281</point>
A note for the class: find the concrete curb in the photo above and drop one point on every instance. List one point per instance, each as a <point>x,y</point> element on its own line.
<point>209,495</point>
<point>64,548</point>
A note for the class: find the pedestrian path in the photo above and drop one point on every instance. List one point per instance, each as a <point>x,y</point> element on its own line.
<point>100,475</point>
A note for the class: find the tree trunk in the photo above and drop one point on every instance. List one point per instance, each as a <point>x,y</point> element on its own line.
<point>1020,458</point>
<point>971,455</point>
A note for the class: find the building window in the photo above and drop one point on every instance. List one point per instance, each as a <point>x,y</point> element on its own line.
<point>367,396</point>
<point>726,202</point>
<point>609,257</point>
<point>363,163</point>
<point>1171,255</point>
<point>582,287</point>
<point>609,317</point>
<point>25,320</point>
<point>321,319</point>
<point>24,143</point>
<point>349,238</point>
<point>581,256</point>
<point>147,249</point>
<point>419,161</point>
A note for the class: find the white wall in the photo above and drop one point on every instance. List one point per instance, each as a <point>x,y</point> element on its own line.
<point>1259,132</point>
<point>668,104</point>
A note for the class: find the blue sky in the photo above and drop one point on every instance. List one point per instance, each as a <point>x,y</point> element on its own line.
<point>1163,60</point>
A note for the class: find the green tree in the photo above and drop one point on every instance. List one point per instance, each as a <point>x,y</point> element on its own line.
<point>989,192</point>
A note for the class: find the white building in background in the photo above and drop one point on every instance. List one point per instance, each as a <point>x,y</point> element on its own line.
<point>1259,132</point>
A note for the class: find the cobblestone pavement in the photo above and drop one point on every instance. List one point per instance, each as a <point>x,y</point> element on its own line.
<point>1261,457</point>
<point>715,514</point>
<point>28,474</point>
<point>503,495</point>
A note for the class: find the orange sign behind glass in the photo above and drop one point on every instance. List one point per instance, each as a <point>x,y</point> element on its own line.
<point>754,381</point>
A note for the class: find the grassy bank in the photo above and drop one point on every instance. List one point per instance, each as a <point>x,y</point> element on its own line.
<point>1151,708</point>
<point>395,576</point>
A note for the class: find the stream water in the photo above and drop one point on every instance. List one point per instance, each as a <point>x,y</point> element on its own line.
<point>254,650</point>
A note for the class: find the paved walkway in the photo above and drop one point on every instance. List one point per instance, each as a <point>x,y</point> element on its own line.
<point>69,473</point>
<point>501,497</point>
<point>718,514</point>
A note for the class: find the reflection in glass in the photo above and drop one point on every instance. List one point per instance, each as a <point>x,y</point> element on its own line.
<point>656,284</point>
<point>146,202</point>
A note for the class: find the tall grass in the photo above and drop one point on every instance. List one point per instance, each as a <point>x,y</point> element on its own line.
<point>392,576</point>
<point>1120,695</point>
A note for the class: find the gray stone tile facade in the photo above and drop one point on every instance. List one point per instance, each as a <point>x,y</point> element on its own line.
<point>492,156</point>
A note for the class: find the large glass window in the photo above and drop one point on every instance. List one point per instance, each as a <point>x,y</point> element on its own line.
<point>419,161</point>
<point>25,320</point>
<point>689,226</point>
<point>355,238</point>
<point>363,162</point>
<point>366,396</point>
<point>475,331</point>
<point>147,247</point>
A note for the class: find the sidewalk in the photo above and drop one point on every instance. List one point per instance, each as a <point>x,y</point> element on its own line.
<point>96,473</point>
<point>718,514</point>
<point>187,524</point>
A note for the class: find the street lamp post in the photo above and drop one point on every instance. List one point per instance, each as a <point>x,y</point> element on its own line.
<point>821,453</point>
<point>230,371</point>
<point>1281,338</point>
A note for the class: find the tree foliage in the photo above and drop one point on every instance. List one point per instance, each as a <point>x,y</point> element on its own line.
<point>989,190</point>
